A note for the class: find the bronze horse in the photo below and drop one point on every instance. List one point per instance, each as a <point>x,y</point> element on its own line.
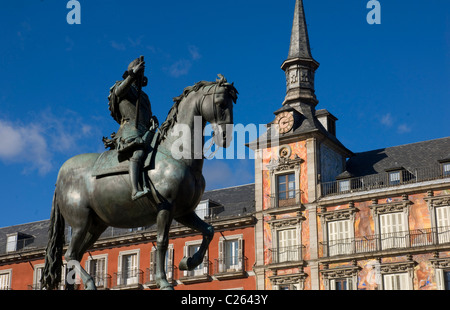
<point>89,204</point>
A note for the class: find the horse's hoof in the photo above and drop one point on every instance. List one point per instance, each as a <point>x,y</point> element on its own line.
<point>167,288</point>
<point>184,265</point>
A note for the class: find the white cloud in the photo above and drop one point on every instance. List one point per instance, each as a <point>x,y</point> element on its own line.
<point>35,144</point>
<point>25,144</point>
<point>118,46</point>
<point>403,128</point>
<point>180,68</point>
<point>387,120</point>
<point>195,54</point>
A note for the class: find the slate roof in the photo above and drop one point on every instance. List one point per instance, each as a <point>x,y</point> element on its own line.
<point>426,154</point>
<point>234,201</point>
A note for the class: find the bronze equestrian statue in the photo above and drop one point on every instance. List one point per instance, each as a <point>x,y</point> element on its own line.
<point>94,191</point>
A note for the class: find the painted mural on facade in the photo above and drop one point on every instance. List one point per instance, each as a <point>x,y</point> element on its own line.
<point>298,150</point>
<point>370,277</point>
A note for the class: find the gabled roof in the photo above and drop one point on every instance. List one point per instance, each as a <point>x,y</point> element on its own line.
<point>426,154</point>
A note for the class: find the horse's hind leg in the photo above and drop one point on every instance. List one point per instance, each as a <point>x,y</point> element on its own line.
<point>192,220</point>
<point>81,239</point>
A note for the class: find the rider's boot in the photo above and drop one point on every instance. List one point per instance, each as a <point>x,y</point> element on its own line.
<point>135,174</point>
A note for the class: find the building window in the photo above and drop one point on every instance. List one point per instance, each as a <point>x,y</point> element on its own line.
<point>344,186</point>
<point>394,177</point>
<point>37,275</point>
<point>202,210</point>
<point>339,237</point>
<point>286,186</point>
<point>96,267</point>
<point>394,231</point>
<point>5,279</point>
<point>396,281</point>
<point>231,258</point>
<point>231,255</point>
<point>128,270</point>
<point>201,270</point>
<point>11,243</point>
<point>288,247</point>
<point>446,169</point>
<point>168,267</point>
<point>443,224</point>
<point>341,284</point>
<point>446,280</point>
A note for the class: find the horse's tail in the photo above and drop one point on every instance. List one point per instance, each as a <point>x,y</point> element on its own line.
<point>51,276</point>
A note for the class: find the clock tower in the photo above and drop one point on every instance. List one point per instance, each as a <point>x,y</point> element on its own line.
<point>298,152</point>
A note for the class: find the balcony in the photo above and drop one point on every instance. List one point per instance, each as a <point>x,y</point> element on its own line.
<point>383,180</point>
<point>285,256</point>
<point>200,274</point>
<point>150,276</point>
<point>290,202</point>
<point>129,279</point>
<point>385,242</point>
<point>102,281</point>
<point>230,267</point>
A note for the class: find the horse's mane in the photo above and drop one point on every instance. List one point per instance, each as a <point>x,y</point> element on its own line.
<point>172,116</point>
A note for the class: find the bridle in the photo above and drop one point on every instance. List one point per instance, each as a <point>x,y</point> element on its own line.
<point>205,94</point>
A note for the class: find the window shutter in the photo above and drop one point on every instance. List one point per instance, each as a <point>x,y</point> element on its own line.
<point>388,278</point>
<point>185,254</point>
<point>439,274</point>
<point>170,262</point>
<point>332,285</point>
<point>4,281</point>
<point>241,253</point>
<point>152,264</point>
<point>332,238</point>
<point>221,256</point>
<point>443,223</point>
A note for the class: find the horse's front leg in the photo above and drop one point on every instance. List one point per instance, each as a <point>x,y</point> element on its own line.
<point>163,222</point>
<point>192,220</point>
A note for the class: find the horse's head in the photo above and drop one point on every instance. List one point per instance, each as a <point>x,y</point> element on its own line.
<point>216,107</point>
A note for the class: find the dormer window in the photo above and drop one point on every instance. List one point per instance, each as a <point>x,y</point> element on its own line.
<point>344,181</point>
<point>11,243</point>
<point>394,177</point>
<point>17,241</point>
<point>208,208</point>
<point>344,186</point>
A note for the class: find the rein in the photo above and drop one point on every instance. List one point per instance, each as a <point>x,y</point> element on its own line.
<point>215,117</point>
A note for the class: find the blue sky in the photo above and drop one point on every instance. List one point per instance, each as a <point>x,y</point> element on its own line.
<point>388,84</point>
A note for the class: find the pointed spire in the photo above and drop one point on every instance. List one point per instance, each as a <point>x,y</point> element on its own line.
<point>300,67</point>
<point>299,47</point>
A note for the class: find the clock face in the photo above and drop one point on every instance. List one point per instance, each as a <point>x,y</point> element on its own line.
<point>285,121</point>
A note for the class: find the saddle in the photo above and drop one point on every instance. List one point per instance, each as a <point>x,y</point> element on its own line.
<point>112,163</point>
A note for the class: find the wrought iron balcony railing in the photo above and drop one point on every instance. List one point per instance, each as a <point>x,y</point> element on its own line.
<point>128,279</point>
<point>381,242</point>
<point>383,180</point>
<point>230,264</point>
<point>285,254</point>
